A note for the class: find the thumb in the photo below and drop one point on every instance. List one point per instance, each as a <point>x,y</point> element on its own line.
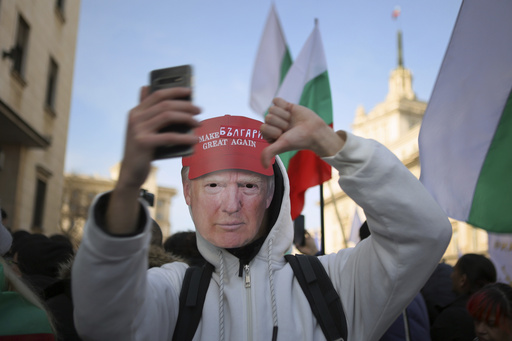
<point>270,151</point>
<point>144,92</point>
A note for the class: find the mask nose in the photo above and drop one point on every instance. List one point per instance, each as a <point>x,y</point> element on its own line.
<point>232,201</point>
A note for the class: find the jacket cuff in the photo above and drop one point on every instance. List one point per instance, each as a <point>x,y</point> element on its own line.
<point>111,246</point>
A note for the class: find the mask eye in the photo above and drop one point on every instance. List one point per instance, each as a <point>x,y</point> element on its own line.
<point>212,187</point>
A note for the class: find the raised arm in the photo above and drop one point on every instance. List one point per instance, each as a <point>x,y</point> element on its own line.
<point>114,294</point>
<point>410,232</point>
<point>293,127</point>
<point>154,112</point>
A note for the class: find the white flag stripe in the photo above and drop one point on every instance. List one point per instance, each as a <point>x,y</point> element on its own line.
<point>310,63</point>
<point>267,67</point>
<point>466,104</point>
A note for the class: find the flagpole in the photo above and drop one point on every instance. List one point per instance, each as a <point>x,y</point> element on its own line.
<point>335,206</point>
<point>322,239</point>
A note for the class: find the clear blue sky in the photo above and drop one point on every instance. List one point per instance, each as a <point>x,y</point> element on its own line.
<point>120,41</point>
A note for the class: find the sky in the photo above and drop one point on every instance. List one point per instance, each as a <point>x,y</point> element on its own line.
<point>120,41</point>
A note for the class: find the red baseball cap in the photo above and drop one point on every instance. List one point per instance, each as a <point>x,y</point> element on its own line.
<point>227,142</point>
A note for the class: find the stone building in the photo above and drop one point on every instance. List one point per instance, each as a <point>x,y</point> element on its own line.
<point>395,123</point>
<point>37,43</point>
<point>80,190</point>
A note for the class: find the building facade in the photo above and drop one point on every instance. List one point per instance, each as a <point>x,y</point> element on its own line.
<point>395,123</point>
<point>80,190</point>
<point>37,42</point>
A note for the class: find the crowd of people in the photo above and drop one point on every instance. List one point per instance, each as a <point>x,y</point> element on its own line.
<point>124,281</point>
<point>463,302</point>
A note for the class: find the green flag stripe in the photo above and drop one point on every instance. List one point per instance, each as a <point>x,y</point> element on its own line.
<point>286,63</point>
<point>492,201</point>
<point>317,96</point>
<point>287,156</point>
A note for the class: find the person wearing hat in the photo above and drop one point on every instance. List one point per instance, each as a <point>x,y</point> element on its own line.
<point>237,191</point>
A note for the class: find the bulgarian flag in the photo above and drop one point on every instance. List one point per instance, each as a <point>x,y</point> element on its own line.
<point>465,140</point>
<point>307,84</point>
<point>272,63</point>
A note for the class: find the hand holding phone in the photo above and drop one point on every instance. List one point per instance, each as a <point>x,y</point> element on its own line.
<point>178,76</point>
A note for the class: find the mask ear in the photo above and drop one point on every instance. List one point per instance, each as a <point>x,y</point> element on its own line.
<point>187,187</point>
<point>269,199</point>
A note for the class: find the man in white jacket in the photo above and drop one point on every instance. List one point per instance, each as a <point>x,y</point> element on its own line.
<point>244,228</point>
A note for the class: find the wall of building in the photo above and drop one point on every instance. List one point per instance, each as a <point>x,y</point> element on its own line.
<point>33,135</point>
<point>80,190</point>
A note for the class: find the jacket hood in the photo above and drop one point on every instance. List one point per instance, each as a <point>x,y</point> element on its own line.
<point>280,234</point>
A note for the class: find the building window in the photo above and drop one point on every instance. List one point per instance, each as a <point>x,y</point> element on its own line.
<point>37,220</point>
<point>59,9</point>
<point>59,4</point>
<point>20,49</point>
<point>51,85</point>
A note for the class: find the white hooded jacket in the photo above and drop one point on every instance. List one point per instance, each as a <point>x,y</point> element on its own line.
<point>117,298</point>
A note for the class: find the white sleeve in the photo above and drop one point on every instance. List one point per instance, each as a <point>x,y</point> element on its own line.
<point>115,296</point>
<point>409,235</point>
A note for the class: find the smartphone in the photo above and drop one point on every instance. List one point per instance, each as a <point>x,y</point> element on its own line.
<point>299,235</point>
<point>176,76</point>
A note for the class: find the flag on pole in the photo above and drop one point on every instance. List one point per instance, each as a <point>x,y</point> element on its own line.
<point>465,140</point>
<point>307,84</point>
<point>272,63</point>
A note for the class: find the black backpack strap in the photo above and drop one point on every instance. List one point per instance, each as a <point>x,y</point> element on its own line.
<point>322,297</point>
<point>192,297</point>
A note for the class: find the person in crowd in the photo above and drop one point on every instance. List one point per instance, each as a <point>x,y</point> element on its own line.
<point>471,273</point>
<point>59,301</point>
<point>17,239</point>
<point>39,259</point>
<point>238,195</point>
<point>62,238</point>
<point>23,314</point>
<point>183,244</point>
<point>491,309</point>
<point>437,292</point>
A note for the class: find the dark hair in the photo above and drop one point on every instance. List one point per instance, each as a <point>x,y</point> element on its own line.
<point>40,255</point>
<point>184,244</point>
<point>479,270</point>
<point>492,300</point>
<point>4,214</point>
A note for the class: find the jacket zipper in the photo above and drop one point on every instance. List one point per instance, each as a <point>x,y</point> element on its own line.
<point>248,300</point>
